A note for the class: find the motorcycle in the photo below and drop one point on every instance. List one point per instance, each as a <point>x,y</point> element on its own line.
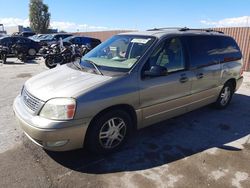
<point>23,53</point>
<point>84,49</point>
<point>54,48</point>
<point>61,55</point>
<point>3,53</point>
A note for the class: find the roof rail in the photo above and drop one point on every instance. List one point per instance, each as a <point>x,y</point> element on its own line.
<point>204,30</point>
<point>185,29</point>
<point>163,28</point>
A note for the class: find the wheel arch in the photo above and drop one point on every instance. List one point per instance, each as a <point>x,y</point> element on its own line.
<point>124,107</point>
<point>232,81</point>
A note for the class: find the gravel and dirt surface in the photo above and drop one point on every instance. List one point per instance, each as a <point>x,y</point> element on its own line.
<point>204,148</point>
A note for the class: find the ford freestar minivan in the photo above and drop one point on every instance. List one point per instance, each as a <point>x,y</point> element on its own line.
<point>129,82</point>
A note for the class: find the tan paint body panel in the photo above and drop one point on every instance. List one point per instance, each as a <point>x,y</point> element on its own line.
<point>154,100</point>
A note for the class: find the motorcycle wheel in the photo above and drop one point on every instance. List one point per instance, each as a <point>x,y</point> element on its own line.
<point>49,62</point>
<point>4,58</point>
<point>22,57</point>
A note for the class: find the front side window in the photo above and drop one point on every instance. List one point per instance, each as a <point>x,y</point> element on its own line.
<point>169,55</point>
<point>119,53</point>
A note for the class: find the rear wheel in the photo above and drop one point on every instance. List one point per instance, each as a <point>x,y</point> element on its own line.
<point>32,52</point>
<point>50,62</point>
<point>225,96</point>
<point>108,132</point>
<point>4,58</point>
<point>22,57</point>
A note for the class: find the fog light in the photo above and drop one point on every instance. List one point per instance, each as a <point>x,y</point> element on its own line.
<point>56,143</point>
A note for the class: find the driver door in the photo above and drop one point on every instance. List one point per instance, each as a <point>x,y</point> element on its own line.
<point>166,96</point>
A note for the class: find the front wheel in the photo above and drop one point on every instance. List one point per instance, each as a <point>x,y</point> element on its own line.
<point>22,57</point>
<point>225,96</point>
<point>50,62</point>
<point>108,132</point>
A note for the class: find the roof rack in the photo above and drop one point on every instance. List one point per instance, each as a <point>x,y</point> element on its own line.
<point>185,29</point>
<point>164,28</point>
<point>205,30</point>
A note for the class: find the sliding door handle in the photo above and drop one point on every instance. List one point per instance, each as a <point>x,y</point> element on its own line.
<point>199,75</point>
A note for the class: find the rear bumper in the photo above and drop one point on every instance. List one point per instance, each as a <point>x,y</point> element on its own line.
<point>37,130</point>
<point>239,81</point>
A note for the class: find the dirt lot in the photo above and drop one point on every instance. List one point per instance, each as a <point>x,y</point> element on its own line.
<point>204,148</point>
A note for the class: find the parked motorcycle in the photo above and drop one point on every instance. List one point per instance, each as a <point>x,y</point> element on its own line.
<point>23,52</point>
<point>48,49</point>
<point>61,55</point>
<point>84,49</point>
<point>3,53</point>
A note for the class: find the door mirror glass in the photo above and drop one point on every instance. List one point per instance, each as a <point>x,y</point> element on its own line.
<point>156,71</point>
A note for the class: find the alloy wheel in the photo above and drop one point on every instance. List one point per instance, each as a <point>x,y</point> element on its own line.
<point>112,133</point>
<point>225,96</point>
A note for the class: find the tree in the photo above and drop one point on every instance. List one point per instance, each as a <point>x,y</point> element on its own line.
<point>39,16</point>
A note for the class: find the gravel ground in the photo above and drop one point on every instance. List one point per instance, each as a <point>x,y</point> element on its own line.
<point>204,148</point>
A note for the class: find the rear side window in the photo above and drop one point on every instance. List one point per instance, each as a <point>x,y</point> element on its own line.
<point>229,50</point>
<point>203,50</point>
<point>86,41</point>
<point>76,40</point>
<point>64,36</point>
<point>95,43</point>
<point>23,40</point>
<point>57,37</point>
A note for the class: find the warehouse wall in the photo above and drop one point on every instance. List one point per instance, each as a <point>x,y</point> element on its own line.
<point>102,35</point>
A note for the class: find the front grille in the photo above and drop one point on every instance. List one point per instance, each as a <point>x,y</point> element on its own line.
<point>33,103</point>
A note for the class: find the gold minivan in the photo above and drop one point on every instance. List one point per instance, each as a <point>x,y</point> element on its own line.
<point>128,82</point>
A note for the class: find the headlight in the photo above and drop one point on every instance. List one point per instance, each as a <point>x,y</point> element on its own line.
<point>59,109</point>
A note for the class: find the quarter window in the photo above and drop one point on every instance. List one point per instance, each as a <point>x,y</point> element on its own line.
<point>229,50</point>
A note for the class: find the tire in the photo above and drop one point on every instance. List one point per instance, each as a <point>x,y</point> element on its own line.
<point>49,62</point>
<point>22,57</point>
<point>31,52</point>
<point>108,132</point>
<point>4,58</point>
<point>225,96</point>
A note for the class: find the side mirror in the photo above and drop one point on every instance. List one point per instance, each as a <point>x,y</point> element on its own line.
<point>156,71</point>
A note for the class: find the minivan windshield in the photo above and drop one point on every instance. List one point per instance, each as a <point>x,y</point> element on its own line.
<point>119,53</point>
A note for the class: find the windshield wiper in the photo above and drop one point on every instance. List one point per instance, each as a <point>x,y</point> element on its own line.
<point>94,65</point>
<point>77,65</point>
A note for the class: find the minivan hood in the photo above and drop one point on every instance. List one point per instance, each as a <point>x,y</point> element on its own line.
<point>62,81</point>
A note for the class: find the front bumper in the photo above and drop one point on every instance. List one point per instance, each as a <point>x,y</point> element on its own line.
<point>43,131</point>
